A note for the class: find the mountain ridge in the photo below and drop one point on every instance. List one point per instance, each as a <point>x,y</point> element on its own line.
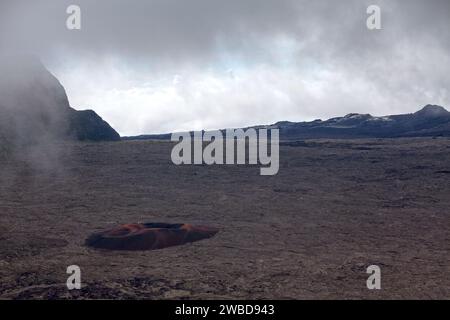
<point>34,107</point>
<point>430,121</point>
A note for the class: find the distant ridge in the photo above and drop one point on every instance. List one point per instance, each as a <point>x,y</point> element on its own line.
<point>430,121</point>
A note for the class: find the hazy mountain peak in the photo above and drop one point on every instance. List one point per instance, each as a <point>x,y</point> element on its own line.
<point>432,110</point>
<point>34,106</point>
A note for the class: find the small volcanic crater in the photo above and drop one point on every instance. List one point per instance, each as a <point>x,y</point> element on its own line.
<point>149,236</point>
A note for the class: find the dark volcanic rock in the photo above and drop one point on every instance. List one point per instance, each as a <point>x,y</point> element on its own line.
<point>34,107</point>
<point>87,125</point>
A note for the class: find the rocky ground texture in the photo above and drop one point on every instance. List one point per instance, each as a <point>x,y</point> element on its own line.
<point>335,208</point>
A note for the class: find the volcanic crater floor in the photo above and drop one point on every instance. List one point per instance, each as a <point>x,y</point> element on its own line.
<point>335,208</point>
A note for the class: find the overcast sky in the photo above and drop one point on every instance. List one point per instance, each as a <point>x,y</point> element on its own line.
<point>159,66</point>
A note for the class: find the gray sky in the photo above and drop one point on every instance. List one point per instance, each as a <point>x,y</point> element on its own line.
<point>167,65</point>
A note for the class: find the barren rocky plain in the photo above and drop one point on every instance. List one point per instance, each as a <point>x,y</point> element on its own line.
<point>335,208</point>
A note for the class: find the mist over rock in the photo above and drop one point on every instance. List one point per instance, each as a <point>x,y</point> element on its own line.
<point>34,107</point>
<point>33,104</point>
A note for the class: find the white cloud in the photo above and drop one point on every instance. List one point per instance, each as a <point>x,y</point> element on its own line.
<point>195,99</point>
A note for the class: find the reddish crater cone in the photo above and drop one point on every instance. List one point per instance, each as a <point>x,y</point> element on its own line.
<point>149,236</point>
